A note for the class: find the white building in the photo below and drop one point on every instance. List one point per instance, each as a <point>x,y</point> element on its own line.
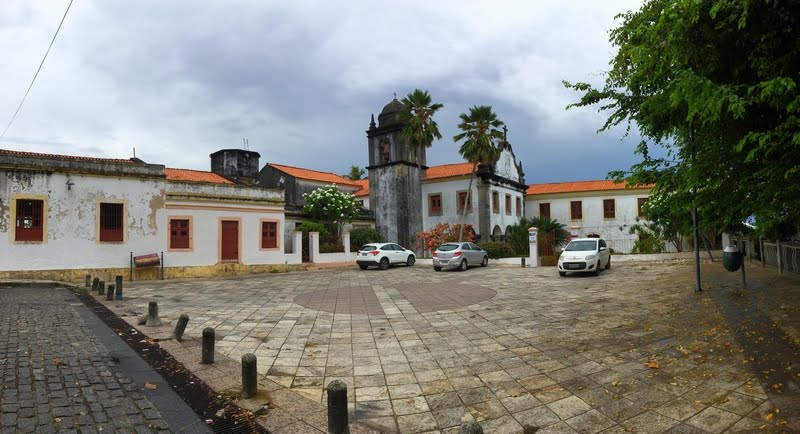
<point>598,207</point>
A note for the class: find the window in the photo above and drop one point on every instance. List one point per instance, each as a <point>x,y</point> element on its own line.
<point>495,202</point>
<point>361,203</point>
<point>508,204</point>
<point>608,209</point>
<point>463,197</point>
<point>639,204</point>
<point>30,220</point>
<point>576,210</point>
<point>544,210</point>
<point>180,233</point>
<point>111,223</point>
<point>269,235</point>
<point>435,204</point>
<point>519,207</point>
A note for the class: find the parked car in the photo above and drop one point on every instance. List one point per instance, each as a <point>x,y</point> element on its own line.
<point>459,255</point>
<point>384,255</point>
<point>585,255</point>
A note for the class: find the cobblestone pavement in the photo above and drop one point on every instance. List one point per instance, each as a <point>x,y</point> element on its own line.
<point>633,350</point>
<point>56,375</point>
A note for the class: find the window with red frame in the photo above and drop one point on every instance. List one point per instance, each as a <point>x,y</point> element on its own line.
<point>435,204</point>
<point>639,206</point>
<point>544,210</point>
<point>519,207</point>
<point>508,204</point>
<point>576,210</point>
<point>30,220</point>
<point>179,234</point>
<point>111,222</point>
<point>609,211</point>
<point>269,235</point>
<point>464,198</point>
<point>495,202</point>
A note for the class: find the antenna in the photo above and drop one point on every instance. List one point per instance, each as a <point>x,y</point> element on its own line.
<point>134,152</point>
<point>246,144</point>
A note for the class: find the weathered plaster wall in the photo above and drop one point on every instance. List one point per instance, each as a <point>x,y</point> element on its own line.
<point>450,213</point>
<point>500,218</point>
<point>506,166</point>
<point>397,192</point>
<point>71,239</point>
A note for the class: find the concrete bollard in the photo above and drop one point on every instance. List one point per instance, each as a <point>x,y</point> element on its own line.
<point>110,293</point>
<point>208,346</point>
<point>470,427</point>
<point>337,408</point>
<point>110,288</point>
<point>249,376</point>
<point>88,280</point>
<point>118,283</point>
<point>95,283</point>
<point>180,327</point>
<point>118,294</point>
<point>523,262</point>
<point>152,315</point>
<point>101,287</point>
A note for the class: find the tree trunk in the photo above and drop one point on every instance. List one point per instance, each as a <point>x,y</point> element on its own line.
<point>467,201</point>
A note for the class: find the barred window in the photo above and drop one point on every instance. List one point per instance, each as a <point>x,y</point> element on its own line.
<point>269,235</point>
<point>30,220</point>
<point>609,211</point>
<point>111,222</point>
<point>576,210</point>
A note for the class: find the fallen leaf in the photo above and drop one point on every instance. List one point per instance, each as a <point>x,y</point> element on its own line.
<point>769,416</point>
<point>652,364</point>
<point>615,383</point>
<point>149,386</point>
<point>57,420</point>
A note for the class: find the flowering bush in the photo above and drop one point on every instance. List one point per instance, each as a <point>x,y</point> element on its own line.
<point>443,233</point>
<point>331,206</point>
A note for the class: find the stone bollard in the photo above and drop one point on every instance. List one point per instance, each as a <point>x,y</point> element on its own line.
<point>523,262</point>
<point>95,283</point>
<point>180,327</point>
<point>101,287</point>
<point>337,408</point>
<point>249,376</point>
<point>208,346</point>
<point>110,293</point>
<point>118,283</point>
<point>470,427</point>
<point>88,280</point>
<point>152,315</point>
<point>119,292</point>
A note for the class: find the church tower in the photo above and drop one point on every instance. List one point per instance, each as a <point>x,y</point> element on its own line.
<point>395,191</point>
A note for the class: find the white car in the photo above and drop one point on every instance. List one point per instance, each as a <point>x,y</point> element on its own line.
<point>585,255</point>
<point>384,255</point>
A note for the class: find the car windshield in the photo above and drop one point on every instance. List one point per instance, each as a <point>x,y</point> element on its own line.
<point>581,246</point>
<point>369,247</point>
<point>447,247</point>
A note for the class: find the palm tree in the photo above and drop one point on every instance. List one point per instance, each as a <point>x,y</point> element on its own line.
<point>355,174</point>
<point>420,129</point>
<point>480,129</point>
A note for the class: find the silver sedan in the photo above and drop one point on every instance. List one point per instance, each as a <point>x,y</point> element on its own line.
<point>459,255</point>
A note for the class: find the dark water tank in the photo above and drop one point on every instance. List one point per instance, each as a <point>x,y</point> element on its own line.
<point>238,164</point>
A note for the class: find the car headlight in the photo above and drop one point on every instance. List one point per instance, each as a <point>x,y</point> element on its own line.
<point>590,257</point>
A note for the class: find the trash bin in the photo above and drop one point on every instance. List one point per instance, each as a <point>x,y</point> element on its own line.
<point>732,258</point>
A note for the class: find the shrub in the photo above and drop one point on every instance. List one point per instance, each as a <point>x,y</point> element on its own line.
<point>331,248</point>
<point>548,261</point>
<point>442,233</point>
<point>361,236</point>
<point>331,206</point>
<point>307,227</point>
<point>497,250</point>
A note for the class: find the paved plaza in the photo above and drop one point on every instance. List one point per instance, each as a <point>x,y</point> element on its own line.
<point>518,350</point>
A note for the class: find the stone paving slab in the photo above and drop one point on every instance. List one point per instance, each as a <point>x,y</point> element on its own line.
<point>633,350</point>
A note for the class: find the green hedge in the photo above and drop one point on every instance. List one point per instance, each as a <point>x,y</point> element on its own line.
<point>331,248</point>
<point>362,236</point>
<point>497,250</point>
<point>307,227</point>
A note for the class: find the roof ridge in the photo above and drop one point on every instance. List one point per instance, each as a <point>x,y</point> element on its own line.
<point>305,168</point>
<point>49,155</point>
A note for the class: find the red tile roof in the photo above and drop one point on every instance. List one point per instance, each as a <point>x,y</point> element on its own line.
<point>68,157</point>
<point>364,183</point>
<point>448,170</point>
<point>577,186</point>
<point>187,175</point>
<point>313,175</point>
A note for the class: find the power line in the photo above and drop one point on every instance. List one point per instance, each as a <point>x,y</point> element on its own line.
<point>37,71</point>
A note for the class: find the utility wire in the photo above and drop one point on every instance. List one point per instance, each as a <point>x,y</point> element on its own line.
<point>37,71</point>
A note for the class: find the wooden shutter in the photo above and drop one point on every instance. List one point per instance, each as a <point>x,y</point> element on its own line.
<point>179,234</point>
<point>608,209</point>
<point>269,235</point>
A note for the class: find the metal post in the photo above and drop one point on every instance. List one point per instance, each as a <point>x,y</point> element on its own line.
<point>697,287</point>
<point>208,346</point>
<point>130,273</point>
<point>337,408</point>
<point>249,376</point>
<point>780,258</point>
<point>744,275</point>
<point>181,327</point>
<point>88,280</point>
<point>763,253</point>
<point>162,265</point>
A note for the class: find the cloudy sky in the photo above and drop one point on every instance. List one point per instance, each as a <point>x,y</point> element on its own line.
<point>299,79</point>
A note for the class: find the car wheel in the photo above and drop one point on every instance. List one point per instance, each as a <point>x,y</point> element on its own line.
<point>608,264</point>
<point>437,268</point>
<point>485,261</point>
<point>597,269</point>
<point>384,264</point>
<point>362,266</point>
<point>562,273</point>
<point>463,265</point>
<point>411,260</point>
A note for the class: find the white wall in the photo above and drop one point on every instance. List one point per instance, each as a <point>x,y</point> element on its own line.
<point>450,214</point>
<point>501,218</point>
<point>71,238</point>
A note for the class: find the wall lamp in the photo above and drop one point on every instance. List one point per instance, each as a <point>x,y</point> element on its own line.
<point>69,183</point>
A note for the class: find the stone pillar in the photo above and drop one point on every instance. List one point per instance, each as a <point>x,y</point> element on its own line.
<point>249,376</point>
<point>346,242</point>
<point>297,242</point>
<point>313,246</point>
<point>484,210</point>
<point>337,408</point>
<point>533,243</point>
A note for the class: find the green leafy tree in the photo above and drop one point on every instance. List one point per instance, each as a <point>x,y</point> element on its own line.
<point>420,130</point>
<point>480,128</point>
<point>355,174</point>
<point>714,84</point>
<point>331,206</point>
